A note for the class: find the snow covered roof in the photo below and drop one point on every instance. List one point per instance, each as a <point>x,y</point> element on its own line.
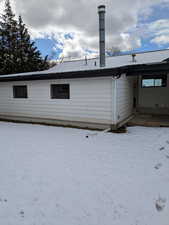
<point>113,62</point>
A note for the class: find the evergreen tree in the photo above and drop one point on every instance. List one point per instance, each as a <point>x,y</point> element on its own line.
<point>8,40</point>
<point>29,56</point>
<point>17,52</point>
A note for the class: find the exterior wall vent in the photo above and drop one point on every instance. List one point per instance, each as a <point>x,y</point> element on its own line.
<point>134,58</point>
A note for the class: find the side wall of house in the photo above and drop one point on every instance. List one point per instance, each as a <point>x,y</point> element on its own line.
<point>154,100</point>
<point>124,98</point>
<point>90,101</point>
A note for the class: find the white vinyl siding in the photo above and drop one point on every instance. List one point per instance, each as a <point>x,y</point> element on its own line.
<point>124,98</point>
<point>90,100</point>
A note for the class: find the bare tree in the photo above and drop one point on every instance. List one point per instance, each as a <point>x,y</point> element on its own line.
<point>114,51</point>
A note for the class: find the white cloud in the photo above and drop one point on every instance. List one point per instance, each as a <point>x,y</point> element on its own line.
<point>54,19</point>
<point>159,25</point>
<point>161,40</point>
<point>77,48</point>
<point>160,28</point>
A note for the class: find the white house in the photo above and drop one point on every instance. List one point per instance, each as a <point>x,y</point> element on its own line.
<point>83,94</point>
<point>98,93</point>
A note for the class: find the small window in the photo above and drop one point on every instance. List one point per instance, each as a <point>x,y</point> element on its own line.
<point>60,91</point>
<point>20,91</point>
<point>154,81</point>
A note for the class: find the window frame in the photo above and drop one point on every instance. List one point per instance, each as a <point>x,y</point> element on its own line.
<point>15,96</point>
<point>155,77</point>
<point>61,97</point>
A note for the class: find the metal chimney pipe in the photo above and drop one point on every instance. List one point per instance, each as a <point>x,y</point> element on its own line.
<point>101,12</point>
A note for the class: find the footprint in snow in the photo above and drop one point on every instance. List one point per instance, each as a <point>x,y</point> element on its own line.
<point>158,166</point>
<point>167,142</point>
<point>162,148</point>
<point>167,156</point>
<point>35,199</point>
<point>22,213</point>
<point>160,204</point>
<point>3,200</point>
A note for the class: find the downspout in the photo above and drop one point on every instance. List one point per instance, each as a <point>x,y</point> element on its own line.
<point>114,105</point>
<point>115,102</point>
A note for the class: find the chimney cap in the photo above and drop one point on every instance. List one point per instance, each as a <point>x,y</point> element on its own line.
<point>101,8</point>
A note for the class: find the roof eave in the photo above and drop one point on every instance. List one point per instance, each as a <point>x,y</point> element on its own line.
<point>130,70</point>
<point>148,69</point>
<point>67,75</point>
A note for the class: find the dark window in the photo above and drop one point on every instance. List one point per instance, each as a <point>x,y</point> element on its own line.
<point>20,91</point>
<point>154,81</point>
<point>60,91</point>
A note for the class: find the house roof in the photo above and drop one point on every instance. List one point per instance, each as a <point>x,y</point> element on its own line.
<point>91,68</point>
<point>112,62</point>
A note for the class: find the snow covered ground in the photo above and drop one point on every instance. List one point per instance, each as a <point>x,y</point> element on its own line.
<point>57,176</point>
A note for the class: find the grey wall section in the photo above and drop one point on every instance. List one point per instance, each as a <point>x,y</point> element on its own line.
<point>124,98</point>
<point>153,100</point>
<point>90,101</point>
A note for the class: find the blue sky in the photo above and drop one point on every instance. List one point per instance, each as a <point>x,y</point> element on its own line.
<point>158,12</point>
<point>69,28</point>
<point>47,47</point>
